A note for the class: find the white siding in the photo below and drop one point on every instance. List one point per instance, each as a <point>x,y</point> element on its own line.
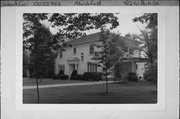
<point>82,66</point>
<point>140,68</point>
<point>84,48</point>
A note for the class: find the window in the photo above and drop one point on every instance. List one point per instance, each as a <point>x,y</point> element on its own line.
<point>92,67</point>
<point>74,50</point>
<point>61,55</point>
<point>82,56</point>
<point>61,67</point>
<point>126,49</point>
<point>131,51</point>
<point>91,49</point>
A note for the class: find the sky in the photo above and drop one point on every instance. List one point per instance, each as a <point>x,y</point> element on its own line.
<point>126,25</point>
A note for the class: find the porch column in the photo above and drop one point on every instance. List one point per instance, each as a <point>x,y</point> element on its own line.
<point>76,67</point>
<point>133,67</point>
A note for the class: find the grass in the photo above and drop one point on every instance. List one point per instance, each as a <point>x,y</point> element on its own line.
<point>32,82</point>
<point>128,92</point>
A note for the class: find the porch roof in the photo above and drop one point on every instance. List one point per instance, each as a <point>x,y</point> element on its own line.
<point>135,59</point>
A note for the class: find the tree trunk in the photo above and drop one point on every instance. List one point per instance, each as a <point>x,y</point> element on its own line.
<point>106,82</point>
<point>37,85</point>
<point>37,71</point>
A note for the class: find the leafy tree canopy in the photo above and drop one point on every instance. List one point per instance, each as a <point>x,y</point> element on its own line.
<point>70,25</point>
<point>149,18</point>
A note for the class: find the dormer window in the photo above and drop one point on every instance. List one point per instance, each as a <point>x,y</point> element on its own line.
<point>131,51</point>
<point>74,50</point>
<point>91,49</point>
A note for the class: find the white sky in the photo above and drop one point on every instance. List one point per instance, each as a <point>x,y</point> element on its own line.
<point>126,25</point>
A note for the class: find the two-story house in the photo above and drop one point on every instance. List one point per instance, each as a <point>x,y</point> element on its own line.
<point>79,56</point>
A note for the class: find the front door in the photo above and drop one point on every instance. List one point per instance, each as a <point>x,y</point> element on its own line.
<point>71,68</point>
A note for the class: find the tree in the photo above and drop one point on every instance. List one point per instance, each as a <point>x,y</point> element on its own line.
<point>72,25</point>
<point>41,56</point>
<point>149,38</point>
<point>110,53</point>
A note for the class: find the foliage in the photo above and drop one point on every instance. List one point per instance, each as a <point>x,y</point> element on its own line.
<point>149,38</point>
<point>117,69</point>
<point>73,25</point>
<point>41,56</point>
<point>61,76</point>
<point>61,72</point>
<point>95,76</point>
<point>151,73</point>
<point>149,35</point>
<point>69,25</point>
<point>80,77</point>
<point>25,63</point>
<point>132,77</point>
<point>74,75</point>
<point>149,18</point>
<point>111,53</point>
<point>112,49</point>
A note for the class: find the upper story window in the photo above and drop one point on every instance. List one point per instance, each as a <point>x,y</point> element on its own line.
<point>126,49</point>
<point>82,56</point>
<point>61,55</point>
<point>74,50</point>
<point>92,67</point>
<point>91,49</point>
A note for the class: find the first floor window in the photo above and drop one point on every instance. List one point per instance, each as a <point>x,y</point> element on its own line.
<point>61,67</point>
<point>74,50</point>
<point>92,67</point>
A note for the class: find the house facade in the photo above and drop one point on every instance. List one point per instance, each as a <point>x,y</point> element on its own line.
<point>79,56</point>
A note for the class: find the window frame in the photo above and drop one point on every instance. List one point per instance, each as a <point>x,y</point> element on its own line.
<point>91,67</point>
<point>61,66</point>
<point>82,57</point>
<point>74,50</point>
<point>91,46</point>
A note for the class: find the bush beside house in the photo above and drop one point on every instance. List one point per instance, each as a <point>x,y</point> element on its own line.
<point>74,75</point>
<point>132,77</point>
<point>92,76</point>
<point>61,75</point>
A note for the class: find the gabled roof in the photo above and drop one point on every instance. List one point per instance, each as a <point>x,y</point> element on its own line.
<point>85,39</point>
<point>95,37</point>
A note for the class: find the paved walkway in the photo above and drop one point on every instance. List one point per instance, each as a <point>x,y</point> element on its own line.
<point>70,84</point>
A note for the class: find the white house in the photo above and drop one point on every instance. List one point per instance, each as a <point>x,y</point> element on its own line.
<point>79,55</point>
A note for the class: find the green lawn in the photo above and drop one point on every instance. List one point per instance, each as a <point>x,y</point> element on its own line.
<point>32,82</point>
<point>127,92</point>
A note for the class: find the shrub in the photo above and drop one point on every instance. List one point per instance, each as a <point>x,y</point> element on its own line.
<point>80,77</point>
<point>87,75</point>
<point>74,75</point>
<point>63,77</point>
<point>97,76</point>
<point>151,73</point>
<point>132,77</point>
<point>61,72</point>
<point>94,76</point>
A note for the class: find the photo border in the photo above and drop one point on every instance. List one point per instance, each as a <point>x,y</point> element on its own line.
<point>91,107</point>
